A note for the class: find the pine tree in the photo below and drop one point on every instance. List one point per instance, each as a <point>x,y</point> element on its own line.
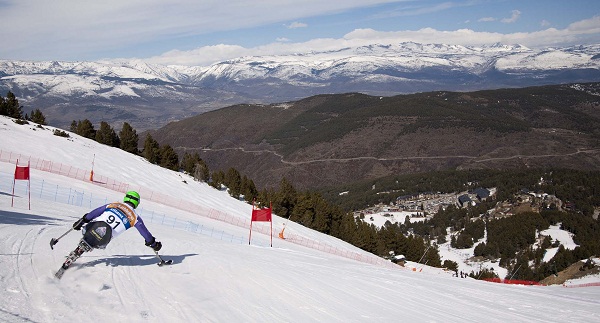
<point>432,257</point>
<point>285,199</point>
<point>195,166</point>
<point>323,214</point>
<point>38,117</point>
<point>129,139</point>
<point>188,163</point>
<point>248,189</point>
<point>217,179</point>
<point>304,210</point>
<point>346,228</point>
<point>479,250</point>
<point>365,237</point>
<point>265,197</point>
<point>233,181</point>
<point>73,127</point>
<point>10,106</point>
<point>168,158</point>
<point>106,135</point>
<point>151,150</point>
<point>201,171</point>
<point>3,107</point>
<point>86,129</point>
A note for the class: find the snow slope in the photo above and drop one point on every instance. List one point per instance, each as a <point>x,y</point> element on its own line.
<point>216,275</point>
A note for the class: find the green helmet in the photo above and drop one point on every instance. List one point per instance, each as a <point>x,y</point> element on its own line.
<point>132,197</point>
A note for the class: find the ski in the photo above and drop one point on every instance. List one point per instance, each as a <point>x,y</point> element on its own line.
<point>162,262</point>
<point>74,255</point>
<point>59,273</point>
<point>165,262</point>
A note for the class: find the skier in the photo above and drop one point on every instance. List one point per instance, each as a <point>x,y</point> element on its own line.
<point>106,222</point>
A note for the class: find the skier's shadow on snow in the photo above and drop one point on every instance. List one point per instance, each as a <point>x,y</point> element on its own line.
<point>136,260</point>
<point>8,217</point>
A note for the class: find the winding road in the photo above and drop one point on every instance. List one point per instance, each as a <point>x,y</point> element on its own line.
<point>477,159</point>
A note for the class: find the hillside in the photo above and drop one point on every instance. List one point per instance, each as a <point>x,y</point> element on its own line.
<point>216,276</point>
<point>328,140</point>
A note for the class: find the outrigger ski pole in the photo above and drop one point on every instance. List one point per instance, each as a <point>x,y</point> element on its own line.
<point>162,262</point>
<point>54,241</point>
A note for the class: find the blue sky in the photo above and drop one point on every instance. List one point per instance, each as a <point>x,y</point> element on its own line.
<point>190,32</point>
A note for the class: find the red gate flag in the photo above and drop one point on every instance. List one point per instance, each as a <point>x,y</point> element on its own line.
<point>21,173</point>
<point>261,215</point>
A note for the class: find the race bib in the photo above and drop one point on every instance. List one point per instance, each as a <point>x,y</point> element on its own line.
<point>119,217</point>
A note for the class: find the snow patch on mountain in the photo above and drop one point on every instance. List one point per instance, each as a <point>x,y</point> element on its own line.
<point>348,62</point>
<point>378,69</point>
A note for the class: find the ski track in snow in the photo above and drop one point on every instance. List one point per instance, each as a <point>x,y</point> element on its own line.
<point>225,283</point>
<point>215,279</point>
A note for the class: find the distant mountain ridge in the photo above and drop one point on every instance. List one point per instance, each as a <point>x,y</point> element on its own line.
<point>148,95</point>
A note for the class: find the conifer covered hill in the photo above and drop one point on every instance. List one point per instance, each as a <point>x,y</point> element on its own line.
<point>333,139</point>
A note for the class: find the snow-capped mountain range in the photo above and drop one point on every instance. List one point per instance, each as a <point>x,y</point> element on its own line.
<point>150,95</point>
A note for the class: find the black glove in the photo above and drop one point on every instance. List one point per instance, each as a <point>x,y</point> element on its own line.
<point>156,245</point>
<point>79,223</point>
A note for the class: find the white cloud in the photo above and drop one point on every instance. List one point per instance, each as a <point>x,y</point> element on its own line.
<point>545,23</point>
<point>515,16</point>
<point>201,56</point>
<point>296,24</point>
<point>487,19</point>
<point>586,26</point>
<point>584,31</point>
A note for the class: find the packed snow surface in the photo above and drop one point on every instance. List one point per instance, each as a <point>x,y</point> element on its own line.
<point>216,276</point>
